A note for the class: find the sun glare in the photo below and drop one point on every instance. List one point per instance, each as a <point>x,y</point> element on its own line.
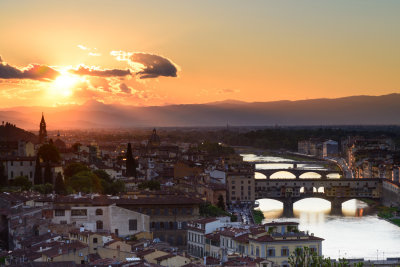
<point>63,85</point>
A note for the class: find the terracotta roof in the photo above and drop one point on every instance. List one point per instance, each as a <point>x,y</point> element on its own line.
<point>63,248</point>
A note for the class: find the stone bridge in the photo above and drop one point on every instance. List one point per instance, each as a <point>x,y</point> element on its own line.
<point>337,191</point>
<point>297,172</point>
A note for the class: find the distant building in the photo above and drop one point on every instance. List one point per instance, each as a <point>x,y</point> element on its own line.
<point>42,131</point>
<point>330,148</point>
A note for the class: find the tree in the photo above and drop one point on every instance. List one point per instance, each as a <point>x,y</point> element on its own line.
<point>49,152</point>
<point>22,182</point>
<point>221,203</point>
<point>130,162</point>
<point>85,181</point>
<point>103,175</point>
<point>48,175</point>
<point>43,188</point>
<point>3,177</point>
<point>152,185</point>
<point>75,147</point>
<point>38,179</point>
<point>304,257</point>
<point>74,168</point>
<point>59,187</point>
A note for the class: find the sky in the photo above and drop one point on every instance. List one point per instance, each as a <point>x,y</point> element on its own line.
<point>149,52</point>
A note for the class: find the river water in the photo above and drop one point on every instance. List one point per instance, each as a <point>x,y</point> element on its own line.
<point>359,233</point>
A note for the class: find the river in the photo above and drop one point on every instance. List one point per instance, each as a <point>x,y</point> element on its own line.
<point>359,233</point>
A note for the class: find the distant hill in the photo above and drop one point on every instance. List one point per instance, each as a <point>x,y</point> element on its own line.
<point>9,132</point>
<point>359,110</point>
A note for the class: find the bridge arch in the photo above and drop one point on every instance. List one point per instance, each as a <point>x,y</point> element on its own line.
<point>259,175</point>
<point>310,174</point>
<point>282,175</point>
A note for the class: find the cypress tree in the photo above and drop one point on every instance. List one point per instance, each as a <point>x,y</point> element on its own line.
<point>38,179</point>
<point>130,162</point>
<point>3,177</point>
<point>48,176</point>
<point>59,187</point>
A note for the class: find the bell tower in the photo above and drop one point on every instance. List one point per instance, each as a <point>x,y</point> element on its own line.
<point>42,131</point>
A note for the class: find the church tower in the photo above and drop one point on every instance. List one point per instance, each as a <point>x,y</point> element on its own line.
<point>42,131</point>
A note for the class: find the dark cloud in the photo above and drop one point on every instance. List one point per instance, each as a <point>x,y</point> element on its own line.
<point>154,66</point>
<point>33,71</point>
<point>100,73</point>
<point>125,89</point>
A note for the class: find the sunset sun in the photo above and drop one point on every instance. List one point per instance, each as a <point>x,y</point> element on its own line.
<point>63,84</point>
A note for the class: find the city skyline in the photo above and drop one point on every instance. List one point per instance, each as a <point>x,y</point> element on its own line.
<point>159,53</point>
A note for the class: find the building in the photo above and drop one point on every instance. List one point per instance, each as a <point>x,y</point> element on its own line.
<point>273,242</point>
<point>196,232</point>
<point>98,214</point>
<point>169,214</point>
<point>42,131</point>
<point>240,187</point>
<point>330,148</point>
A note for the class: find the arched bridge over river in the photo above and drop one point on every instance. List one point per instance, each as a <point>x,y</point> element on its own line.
<point>337,191</point>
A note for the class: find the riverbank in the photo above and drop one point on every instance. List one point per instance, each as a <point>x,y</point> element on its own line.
<point>390,214</point>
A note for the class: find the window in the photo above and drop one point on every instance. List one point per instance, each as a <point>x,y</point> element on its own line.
<point>79,212</point>
<point>59,212</point>
<point>313,249</point>
<point>99,225</point>
<point>21,163</point>
<point>30,174</point>
<point>271,252</point>
<point>99,212</point>
<point>132,225</point>
<point>12,173</point>
<point>95,240</point>
<point>284,252</point>
<point>12,163</point>
<point>257,251</point>
<point>233,187</point>
<point>31,163</point>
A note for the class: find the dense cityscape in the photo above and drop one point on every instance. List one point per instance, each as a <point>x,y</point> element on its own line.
<point>118,199</point>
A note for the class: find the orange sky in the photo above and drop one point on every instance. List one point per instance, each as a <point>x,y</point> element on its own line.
<point>174,52</point>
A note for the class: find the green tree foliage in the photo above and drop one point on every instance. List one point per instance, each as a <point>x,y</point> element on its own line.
<point>130,162</point>
<point>216,149</point>
<point>304,257</point>
<point>43,188</point>
<point>208,210</point>
<point>103,175</point>
<point>110,186</point>
<point>59,186</point>
<point>152,185</point>
<point>38,178</point>
<point>48,175</point>
<point>258,216</point>
<point>86,182</point>
<point>74,168</point>
<point>221,203</point>
<point>49,152</point>
<point>22,182</point>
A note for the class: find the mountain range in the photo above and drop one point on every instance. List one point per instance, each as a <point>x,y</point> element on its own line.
<point>353,110</point>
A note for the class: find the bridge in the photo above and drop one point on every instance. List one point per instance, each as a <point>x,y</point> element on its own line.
<point>293,162</point>
<point>337,191</point>
<point>297,172</point>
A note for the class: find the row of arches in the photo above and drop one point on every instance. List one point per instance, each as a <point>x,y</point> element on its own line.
<point>289,175</point>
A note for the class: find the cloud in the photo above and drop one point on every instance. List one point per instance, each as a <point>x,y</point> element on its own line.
<point>82,47</point>
<point>94,54</point>
<point>227,91</point>
<point>33,72</point>
<point>125,89</point>
<point>82,70</point>
<point>148,65</point>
